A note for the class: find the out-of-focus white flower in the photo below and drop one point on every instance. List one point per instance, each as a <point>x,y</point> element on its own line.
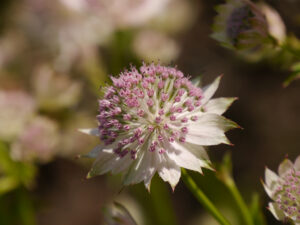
<point>38,141</point>
<point>131,13</point>
<point>54,91</point>
<point>17,107</point>
<point>178,16</point>
<point>118,215</point>
<point>63,34</point>
<point>152,45</point>
<point>284,190</point>
<point>155,120</point>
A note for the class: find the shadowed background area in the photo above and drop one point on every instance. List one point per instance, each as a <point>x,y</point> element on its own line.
<point>55,55</point>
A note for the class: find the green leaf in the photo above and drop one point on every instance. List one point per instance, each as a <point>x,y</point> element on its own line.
<point>13,173</point>
<point>294,75</point>
<point>256,211</point>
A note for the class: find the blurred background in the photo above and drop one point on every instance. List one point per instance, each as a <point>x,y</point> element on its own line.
<point>55,55</point>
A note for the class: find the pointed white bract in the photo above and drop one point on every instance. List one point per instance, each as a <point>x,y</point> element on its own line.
<point>284,190</point>
<point>155,120</point>
<point>117,214</point>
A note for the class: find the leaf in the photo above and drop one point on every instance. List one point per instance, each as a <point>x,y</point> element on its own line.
<point>14,173</point>
<point>294,75</point>
<point>256,211</point>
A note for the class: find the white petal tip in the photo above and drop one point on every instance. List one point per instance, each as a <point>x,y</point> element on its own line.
<point>93,131</point>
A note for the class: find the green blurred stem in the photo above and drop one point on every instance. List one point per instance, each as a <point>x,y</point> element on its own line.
<point>201,197</point>
<point>239,201</point>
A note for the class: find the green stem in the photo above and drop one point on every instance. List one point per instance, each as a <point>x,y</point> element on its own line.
<point>201,197</point>
<point>240,202</point>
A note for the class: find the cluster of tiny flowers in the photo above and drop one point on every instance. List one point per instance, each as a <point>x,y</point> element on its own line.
<point>154,119</point>
<point>287,194</point>
<point>285,191</point>
<point>153,104</point>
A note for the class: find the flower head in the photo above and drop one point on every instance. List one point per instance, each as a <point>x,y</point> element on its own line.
<point>243,25</point>
<point>156,120</point>
<point>284,190</point>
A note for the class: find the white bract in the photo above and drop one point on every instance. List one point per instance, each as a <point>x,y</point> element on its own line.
<point>284,190</point>
<point>156,120</point>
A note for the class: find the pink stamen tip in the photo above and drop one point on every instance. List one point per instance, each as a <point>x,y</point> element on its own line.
<point>145,84</point>
<point>151,128</point>
<point>191,108</point>
<point>184,120</point>
<point>152,148</point>
<point>184,130</point>
<point>162,151</point>
<point>160,138</point>
<point>177,99</point>
<point>172,109</point>
<point>127,117</point>
<point>141,141</point>
<point>161,84</point>
<point>194,118</point>
<point>126,127</point>
<point>166,126</point>
<point>132,152</point>
<point>161,112</point>
<point>150,102</point>
<point>171,139</point>
<point>182,139</point>
<point>123,153</point>
<point>158,119</point>
<point>197,103</point>
<point>137,132</point>
<point>172,118</point>
<point>181,92</point>
<point>150,92</point>
<point>179,110</point>
<point>141,113</point>
<point>164,97</point>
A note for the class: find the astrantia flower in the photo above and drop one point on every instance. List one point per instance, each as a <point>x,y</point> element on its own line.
<point>243,25</point>
<point>156,120</point>
<point>284,190</point>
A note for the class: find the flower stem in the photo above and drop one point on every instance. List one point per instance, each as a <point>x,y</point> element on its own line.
<point>201,197</point>
<point>240,202</point>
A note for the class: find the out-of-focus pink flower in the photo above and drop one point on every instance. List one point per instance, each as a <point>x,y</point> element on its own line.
<point>37,142</point>
<point>17,108</point>
<point>178,16</point>
<point>151,45</point>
